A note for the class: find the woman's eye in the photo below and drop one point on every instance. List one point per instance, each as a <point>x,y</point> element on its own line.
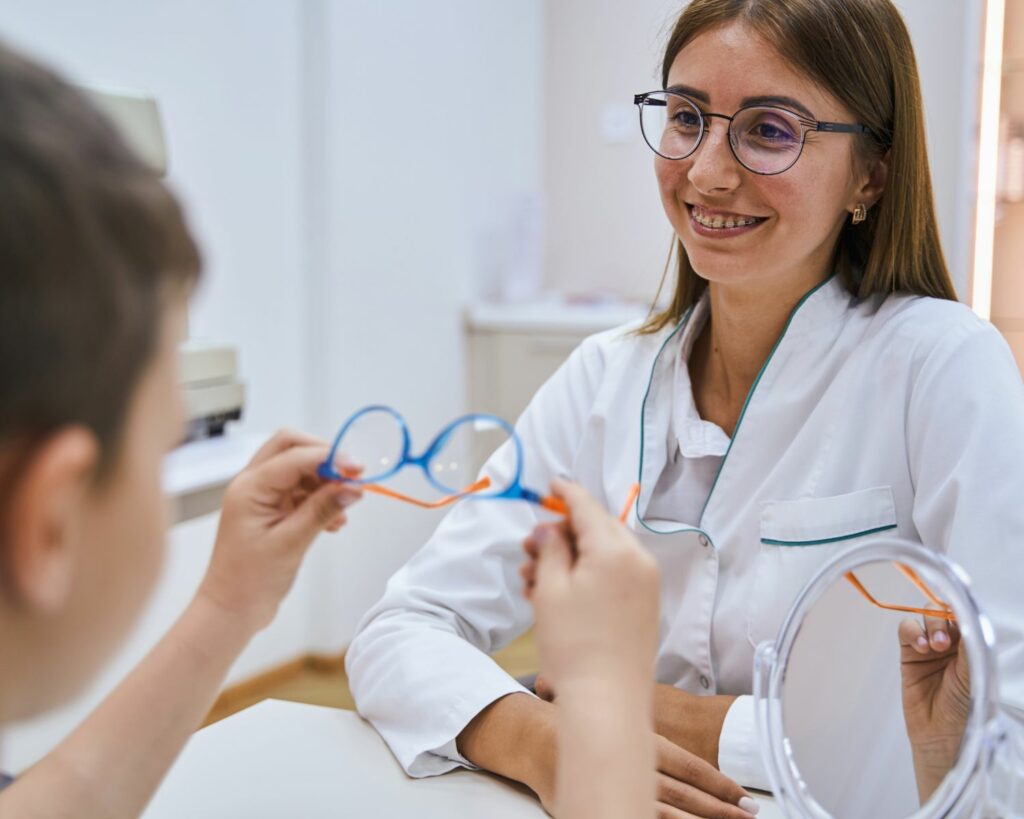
<point>768,132</point>
<point>687,119</point>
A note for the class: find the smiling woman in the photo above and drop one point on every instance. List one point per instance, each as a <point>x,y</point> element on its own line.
<point>812,384</point>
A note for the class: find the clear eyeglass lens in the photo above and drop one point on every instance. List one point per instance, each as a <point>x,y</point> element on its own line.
<point>766,140</point>
<point>375,440</point>
<point>457,462</point>
<point>671,124</point>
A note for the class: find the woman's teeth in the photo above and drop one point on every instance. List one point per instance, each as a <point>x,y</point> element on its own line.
<point>718,221</point>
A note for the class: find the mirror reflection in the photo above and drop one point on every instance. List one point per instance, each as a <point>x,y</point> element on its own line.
<point>877,692</point>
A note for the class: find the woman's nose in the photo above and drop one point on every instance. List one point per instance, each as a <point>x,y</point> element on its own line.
<point>713,168</point>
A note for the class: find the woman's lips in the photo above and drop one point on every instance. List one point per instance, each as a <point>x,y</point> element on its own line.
<point>722,224</point>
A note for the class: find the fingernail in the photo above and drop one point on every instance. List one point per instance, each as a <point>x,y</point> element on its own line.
<point>922,642</point>
<point>941,637</point>
<point>748,804</point>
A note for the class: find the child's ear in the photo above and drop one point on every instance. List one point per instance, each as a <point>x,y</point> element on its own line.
<point>45,516</point>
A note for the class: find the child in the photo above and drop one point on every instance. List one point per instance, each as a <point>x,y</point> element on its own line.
<point>96,265</point>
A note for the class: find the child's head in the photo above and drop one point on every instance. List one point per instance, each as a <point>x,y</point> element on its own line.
<point>95,266</point>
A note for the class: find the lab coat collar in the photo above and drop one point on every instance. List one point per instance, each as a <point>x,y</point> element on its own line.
<point>822,307</point>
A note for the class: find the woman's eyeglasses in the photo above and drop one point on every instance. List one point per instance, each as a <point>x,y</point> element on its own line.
<point>378,438</point>
<point>944,611</point>
<point>765,139</point>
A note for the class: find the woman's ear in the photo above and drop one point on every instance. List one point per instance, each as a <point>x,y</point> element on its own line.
<point>873,186</point>
<point>45,519</point>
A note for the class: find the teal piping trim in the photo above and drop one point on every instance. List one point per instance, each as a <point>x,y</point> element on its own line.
<point>643,414</point>
<point>866,532</point>
<point>753,387</point>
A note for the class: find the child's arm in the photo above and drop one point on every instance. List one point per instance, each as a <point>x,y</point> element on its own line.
<point>111,765</point>
<point>595,592</point>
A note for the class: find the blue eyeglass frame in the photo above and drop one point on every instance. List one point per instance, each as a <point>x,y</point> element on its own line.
<point>514,491</point>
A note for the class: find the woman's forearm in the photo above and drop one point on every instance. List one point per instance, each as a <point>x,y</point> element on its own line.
<point>606,751</point>
<point>514,737</point>
<point>111,765</point>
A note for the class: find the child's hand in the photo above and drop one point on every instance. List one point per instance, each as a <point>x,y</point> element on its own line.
<point>595,592</point>
<point>272,511</point>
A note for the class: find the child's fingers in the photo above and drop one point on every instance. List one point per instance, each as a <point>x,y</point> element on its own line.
<point>319,512</point>
<point>528,571</point>
<point>585,513</point>
<point>285,471</point>
<point>282,440</point>
<point>554,558</point>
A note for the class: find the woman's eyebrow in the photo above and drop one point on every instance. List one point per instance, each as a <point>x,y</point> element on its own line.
<point>785,102</point>
<point>771,99</point>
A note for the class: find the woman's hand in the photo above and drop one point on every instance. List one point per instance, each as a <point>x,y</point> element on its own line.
<point>936,696</point>
<point>272,511</point>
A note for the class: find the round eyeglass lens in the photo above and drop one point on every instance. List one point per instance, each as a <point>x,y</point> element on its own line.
<point>671,124</point>
<point>375,440</point>
<point>457,460</point>
<point>766,140</point>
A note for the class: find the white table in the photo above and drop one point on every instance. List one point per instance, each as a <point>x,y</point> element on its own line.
<point>283,760</point>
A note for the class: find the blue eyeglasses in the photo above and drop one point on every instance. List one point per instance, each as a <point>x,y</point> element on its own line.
<point>378,438</point>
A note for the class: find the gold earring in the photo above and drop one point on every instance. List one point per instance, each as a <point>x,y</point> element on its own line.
<point>860,213</point>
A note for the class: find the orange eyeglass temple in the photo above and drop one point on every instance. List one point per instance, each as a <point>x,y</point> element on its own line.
<point>557,505</point>
<point>478,486</point>
<point>945,612</point>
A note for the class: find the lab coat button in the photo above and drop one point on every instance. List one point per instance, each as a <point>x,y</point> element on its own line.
<point>703,541</point>
<point>705,683</point>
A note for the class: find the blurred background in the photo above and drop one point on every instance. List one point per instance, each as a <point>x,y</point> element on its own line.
<point>430,204</point>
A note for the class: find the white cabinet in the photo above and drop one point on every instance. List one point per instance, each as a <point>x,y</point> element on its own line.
<point>513,349</point>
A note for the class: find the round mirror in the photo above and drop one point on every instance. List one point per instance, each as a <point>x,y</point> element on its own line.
<point>878,697</point>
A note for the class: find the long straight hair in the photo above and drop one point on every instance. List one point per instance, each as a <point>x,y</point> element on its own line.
<point>859,51</point>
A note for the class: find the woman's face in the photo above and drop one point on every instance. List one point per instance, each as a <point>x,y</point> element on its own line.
<point>796,215</point>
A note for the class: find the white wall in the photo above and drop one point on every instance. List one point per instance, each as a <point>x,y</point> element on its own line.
<point>606,229</point>
<point>332,156</point>
<point>432,111</point>
<point>227,76</point>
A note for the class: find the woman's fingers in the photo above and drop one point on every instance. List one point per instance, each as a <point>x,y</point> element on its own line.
<point>685,767</point>
<point>938,634</point>
<point>913,635</point>
<point>668,812</point>
<point>694,801</point>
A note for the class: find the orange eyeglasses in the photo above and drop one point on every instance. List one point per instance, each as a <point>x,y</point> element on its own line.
<point>944,611</point>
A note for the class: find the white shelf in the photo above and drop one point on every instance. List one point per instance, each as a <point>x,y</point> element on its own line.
<point>554,316</point>
<point>196,474</point>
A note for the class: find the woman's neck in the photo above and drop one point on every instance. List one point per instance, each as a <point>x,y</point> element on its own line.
<point>743,325</point>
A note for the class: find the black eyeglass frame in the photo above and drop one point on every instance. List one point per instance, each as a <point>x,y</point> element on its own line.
<point>647,98</point>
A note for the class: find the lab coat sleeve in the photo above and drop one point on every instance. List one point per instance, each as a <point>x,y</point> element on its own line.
<point>739,757</point>
<point>418,666</point>
<point>965,434</point>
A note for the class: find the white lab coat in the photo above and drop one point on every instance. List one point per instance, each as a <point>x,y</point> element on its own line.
<point>902,416</point>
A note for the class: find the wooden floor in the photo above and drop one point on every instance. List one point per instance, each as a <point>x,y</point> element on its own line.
<point>322,681</point>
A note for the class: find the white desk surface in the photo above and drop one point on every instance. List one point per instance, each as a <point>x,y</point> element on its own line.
<point>283,760</point>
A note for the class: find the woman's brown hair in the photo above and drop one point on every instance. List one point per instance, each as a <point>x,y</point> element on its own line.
<point>860,52</point>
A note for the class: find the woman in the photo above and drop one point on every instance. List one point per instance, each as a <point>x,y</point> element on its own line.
<point>814,382</point>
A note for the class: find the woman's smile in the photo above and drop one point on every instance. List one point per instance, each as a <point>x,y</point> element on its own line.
<point>720,224</point>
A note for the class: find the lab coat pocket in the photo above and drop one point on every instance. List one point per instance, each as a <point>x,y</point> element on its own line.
<point>798,537</point>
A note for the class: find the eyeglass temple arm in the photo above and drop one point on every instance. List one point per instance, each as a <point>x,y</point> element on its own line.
<point>945,614</point>
<point>478,486</point>
<point>557,505</point>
